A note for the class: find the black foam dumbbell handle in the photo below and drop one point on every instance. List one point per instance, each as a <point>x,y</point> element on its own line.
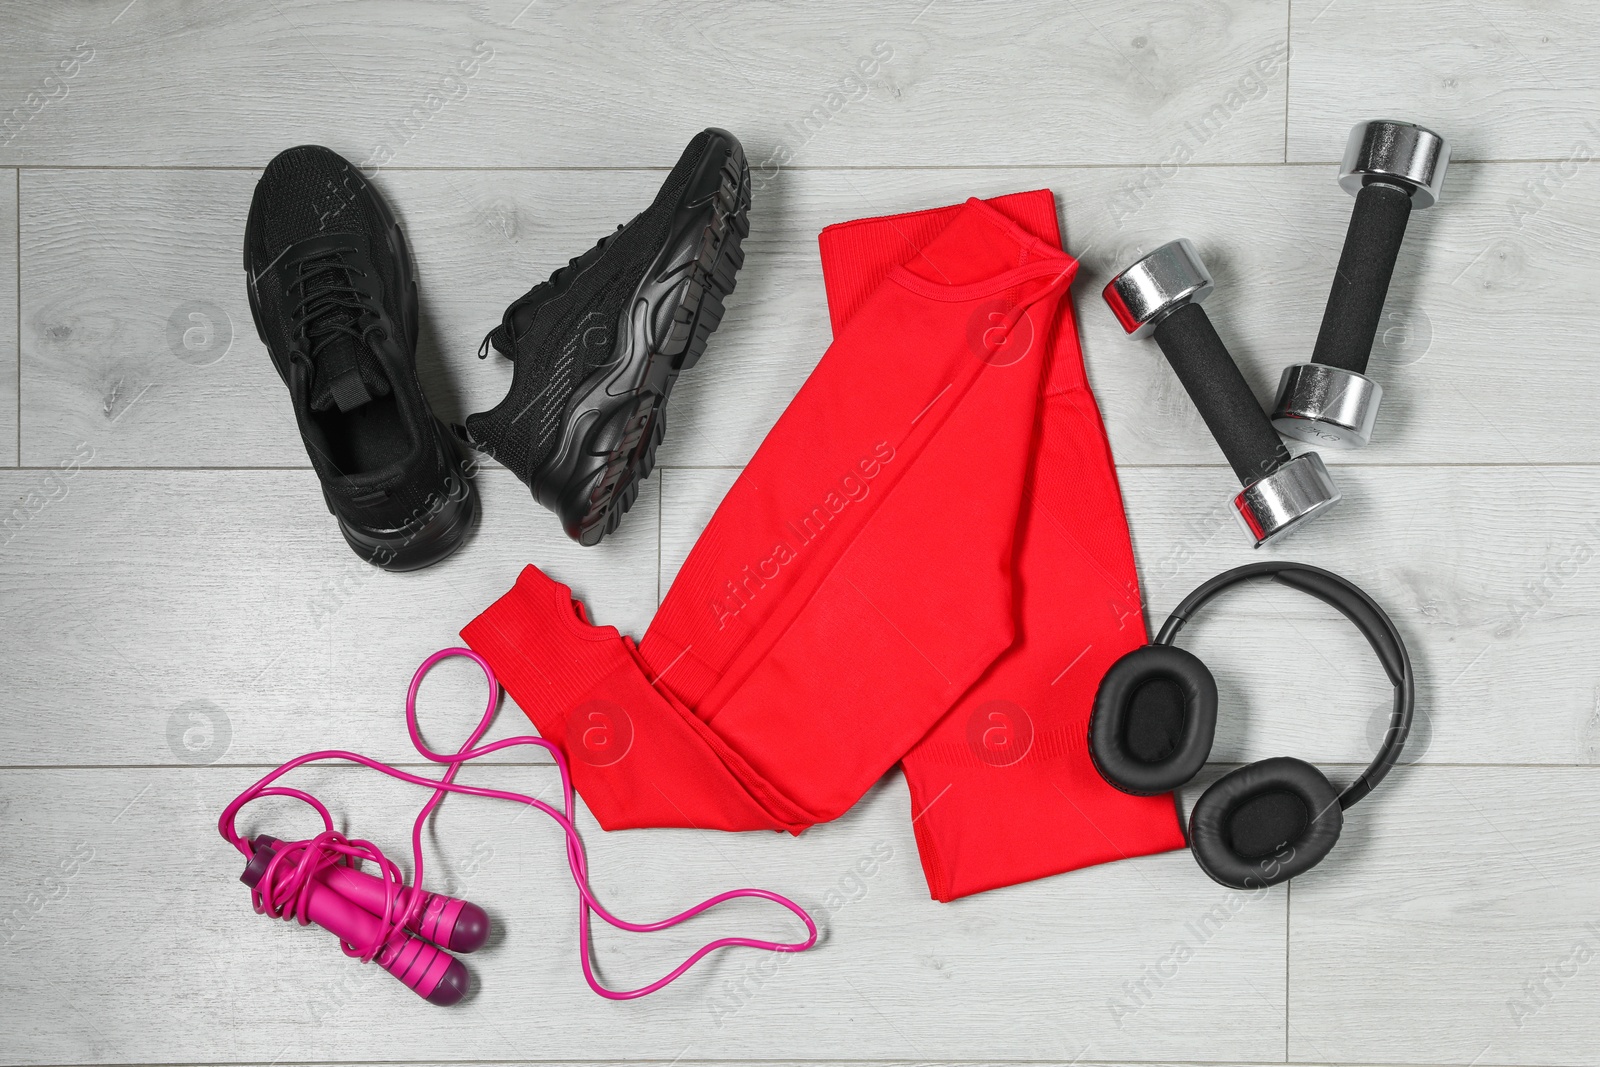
<point>1213,382</point>
<point>1355,303</point>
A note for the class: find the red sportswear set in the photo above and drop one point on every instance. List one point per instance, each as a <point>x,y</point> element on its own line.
<point>926,562</point>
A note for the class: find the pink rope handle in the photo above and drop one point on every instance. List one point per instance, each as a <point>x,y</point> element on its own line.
<point>286,883</point>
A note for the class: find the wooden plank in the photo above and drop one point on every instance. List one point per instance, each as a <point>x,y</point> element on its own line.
<point>1030,972</point>
<point>146,590</point>
<point>1454,923</point>
<point>8,317</point>
<point>111,289</point>
<point>1477,592</point>
<point>115,261</point>
<point>194,617</point>
<point>1500,79</point>
<point>1494,613</point>
<point>156,324</point>
<point>104,285</point>
<point>513,84</point>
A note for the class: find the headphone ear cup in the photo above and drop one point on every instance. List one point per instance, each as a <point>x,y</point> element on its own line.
<point>1154,716</point>
<point>1265,823</point>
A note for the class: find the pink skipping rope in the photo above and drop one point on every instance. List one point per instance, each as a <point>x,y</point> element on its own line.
<point>289,881</point>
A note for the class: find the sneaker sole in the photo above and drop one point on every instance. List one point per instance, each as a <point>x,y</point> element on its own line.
<point>440,531</point>
<point>617,417</point>
<point>436,533</point>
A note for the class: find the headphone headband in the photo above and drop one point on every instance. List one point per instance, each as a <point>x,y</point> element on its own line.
<point>1360,609</point>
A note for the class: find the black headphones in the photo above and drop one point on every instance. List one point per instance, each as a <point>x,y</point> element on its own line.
<point>1155,714</point>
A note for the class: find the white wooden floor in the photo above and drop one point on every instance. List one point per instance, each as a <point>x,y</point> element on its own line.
<point>179,611</point>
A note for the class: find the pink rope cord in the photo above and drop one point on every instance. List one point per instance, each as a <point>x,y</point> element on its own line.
<point>286,883</point>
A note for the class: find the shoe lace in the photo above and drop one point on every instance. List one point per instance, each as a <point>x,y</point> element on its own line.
<point>547,284</point>
<point>330,305</point>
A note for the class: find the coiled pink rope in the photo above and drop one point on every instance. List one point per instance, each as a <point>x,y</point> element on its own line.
<point>285,885</point>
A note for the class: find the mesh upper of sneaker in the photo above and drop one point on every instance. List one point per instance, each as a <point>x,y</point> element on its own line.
<point>561,330</point>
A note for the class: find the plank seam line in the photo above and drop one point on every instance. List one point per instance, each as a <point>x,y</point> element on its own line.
<point>1584,464</point>
<point>811,168</point>
<point>1336,764</point>
<point>1288,71</point>
<point>16,174</point>
<point>746,1059</point>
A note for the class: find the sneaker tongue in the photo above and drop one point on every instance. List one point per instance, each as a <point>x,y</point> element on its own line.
<point>347,373</point>
<point>347,376</point>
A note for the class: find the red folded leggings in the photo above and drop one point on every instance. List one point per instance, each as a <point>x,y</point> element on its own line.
<point>926,562</point>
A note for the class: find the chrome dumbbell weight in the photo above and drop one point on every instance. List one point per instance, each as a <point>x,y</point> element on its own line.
<point>1160,296</point>
<point>1390,168</point>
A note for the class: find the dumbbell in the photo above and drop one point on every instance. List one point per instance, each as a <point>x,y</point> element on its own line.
<point>1160,296</point>
<point>1390,168</point>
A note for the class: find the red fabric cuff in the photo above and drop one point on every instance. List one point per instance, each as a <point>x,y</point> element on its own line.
<point>544,651</point>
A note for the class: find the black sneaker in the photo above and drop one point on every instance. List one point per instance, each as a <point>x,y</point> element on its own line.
<point>334,297</point>
<point>597,348</point>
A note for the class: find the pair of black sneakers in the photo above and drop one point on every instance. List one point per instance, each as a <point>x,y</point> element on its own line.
<point>595,350</point>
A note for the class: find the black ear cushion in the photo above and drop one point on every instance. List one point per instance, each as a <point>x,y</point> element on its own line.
<point>1153,720</point>
<point>1265,823</point>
